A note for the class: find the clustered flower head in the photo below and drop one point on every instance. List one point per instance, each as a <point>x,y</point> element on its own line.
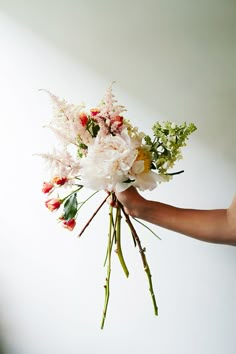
<point>166,145</point>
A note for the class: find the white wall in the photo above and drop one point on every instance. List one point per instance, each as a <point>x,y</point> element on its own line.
<point>51,282</point>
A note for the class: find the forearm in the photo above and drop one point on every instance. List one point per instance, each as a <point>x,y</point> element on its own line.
<point>218,226</point>
<point>205,225</point>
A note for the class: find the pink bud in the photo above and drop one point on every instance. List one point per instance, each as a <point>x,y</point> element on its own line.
<point>47,186</point>
<point>69,224</point>
<point>53,204</point>
<point>117,120</point>
<point>83,118</point>
<point>59,180</point>
<point>94,111</point>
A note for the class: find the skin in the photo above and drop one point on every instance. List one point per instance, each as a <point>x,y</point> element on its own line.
<point>216,226</point>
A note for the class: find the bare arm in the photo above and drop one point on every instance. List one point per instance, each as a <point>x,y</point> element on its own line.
<point>218,226</point>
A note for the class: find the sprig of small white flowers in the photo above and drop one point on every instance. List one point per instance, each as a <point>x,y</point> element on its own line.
<point>166,145</point>
<point>101,150</point>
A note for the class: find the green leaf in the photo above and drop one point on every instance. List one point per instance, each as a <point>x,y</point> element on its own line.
<point>148,140</point>
<point>83,146</point>
<point>70,207</point>
<point>153,166</point>
<point>93,128</point>
<point>128,180</point>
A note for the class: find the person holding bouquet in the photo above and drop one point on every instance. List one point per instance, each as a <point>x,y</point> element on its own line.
<point>216,226</point>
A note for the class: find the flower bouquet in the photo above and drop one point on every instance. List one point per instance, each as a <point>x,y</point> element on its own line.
<point>101,150</point>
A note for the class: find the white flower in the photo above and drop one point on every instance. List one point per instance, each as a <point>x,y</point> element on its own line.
<point>108,162</point>
<point>60,163</point>
<point>149,180</point>
<point>138,167</point>
<point>109,107</point>
<point>146,181</point>
<point>66,123</point>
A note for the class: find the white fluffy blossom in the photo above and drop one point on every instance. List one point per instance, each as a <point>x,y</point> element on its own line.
<point>66,123</point>
<point>108,162</point>
<point>60,163</point>
<point>109,107</point>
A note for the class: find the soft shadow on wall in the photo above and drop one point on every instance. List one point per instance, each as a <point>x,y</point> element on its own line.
<point>3,349</point>
<point>177,58</point>
<point>197,314</point>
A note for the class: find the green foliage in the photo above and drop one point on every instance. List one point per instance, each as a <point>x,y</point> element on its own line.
<point>70,207</point>
<point>93,128</point>
<point>81,149</point>
<point>128,180</point>
<point>166,145</point>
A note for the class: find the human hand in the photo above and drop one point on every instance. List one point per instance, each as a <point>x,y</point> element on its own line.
<point>132,201</point>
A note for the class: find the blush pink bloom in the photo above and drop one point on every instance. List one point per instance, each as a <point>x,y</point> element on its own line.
<point>108,162</point>
<point>69,224</point>
<point>47,187</point>
<point>53,204</point>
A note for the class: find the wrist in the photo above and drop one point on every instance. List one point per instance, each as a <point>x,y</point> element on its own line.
<point>139,208</point>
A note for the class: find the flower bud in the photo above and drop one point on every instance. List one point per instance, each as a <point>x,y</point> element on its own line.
<point>117,120</point>
<point>94,111</point>
<point>47,186</point>
<point>53,204</point>
<point>59,180</point>
<point>69,224</point>
<point>83,118</point>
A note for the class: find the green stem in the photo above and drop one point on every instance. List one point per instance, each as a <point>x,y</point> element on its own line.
<point>147,228</point>
<point>174,173</point>
<point>118,241</point>
<point>144,259</point>
<point>111,225</point>
<point>107,284</point>
<point>75,191</point>
<point>82,203</point>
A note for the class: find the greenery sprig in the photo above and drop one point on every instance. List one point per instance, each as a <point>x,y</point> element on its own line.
<point>166,144</point>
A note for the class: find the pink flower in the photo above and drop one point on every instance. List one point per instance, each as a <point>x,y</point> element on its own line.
<point>53,204</point>
<point>117,121</point>
<point>94,111</point>
<point>59,180</point>
<point>69,224</point>
<point>47,186</point>
<point>83,118</point>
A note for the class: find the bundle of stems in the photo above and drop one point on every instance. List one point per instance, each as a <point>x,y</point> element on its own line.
<point>114,244</point>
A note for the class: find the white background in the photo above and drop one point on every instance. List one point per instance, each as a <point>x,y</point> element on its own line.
<point>171,60</point>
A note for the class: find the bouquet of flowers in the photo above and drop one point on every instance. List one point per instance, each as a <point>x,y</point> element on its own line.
<point>99,149</point>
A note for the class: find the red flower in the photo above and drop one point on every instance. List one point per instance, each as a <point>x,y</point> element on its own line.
<point>117,120</point>
<point>94,111</point>
<point>69,224</point>
<point>83,118</point>
<point>53,204</point>
<point>59,180</point>
<point>47,186</point>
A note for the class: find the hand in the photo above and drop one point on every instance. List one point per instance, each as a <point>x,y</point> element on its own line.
<point>132,201</point>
